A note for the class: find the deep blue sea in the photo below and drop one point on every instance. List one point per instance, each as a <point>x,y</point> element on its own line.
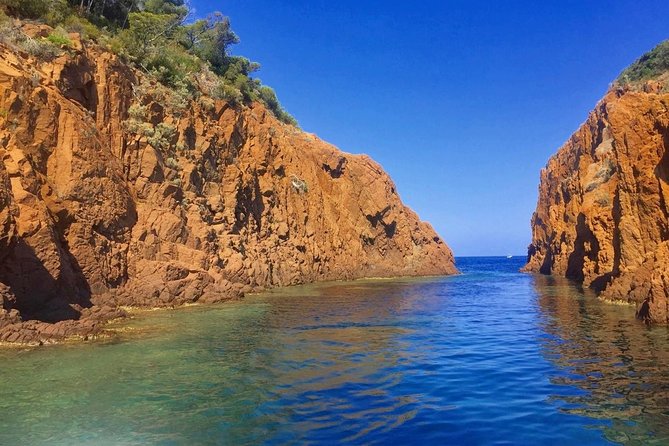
<point>491,356</point>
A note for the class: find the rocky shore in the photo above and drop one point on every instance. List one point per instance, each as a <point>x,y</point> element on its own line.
<point>115,191</point>
<point>603,216</point>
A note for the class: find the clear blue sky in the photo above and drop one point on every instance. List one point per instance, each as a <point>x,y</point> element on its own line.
<point>462,102</point>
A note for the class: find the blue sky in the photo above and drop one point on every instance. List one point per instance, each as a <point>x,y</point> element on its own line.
<point>462,102</point>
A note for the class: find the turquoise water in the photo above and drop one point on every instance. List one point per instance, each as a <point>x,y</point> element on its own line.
<point>489,357</point>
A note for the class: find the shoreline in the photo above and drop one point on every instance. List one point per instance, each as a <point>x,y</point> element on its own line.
<point>91,327</point>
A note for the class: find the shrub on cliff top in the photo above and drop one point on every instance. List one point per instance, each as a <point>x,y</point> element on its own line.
<point>147,35</point>
<point>83,26</point>
<point>29,9</point>
<point>651,65</point>
<point>155,36</point>
<point>52,12</point>
<point>268,96</point>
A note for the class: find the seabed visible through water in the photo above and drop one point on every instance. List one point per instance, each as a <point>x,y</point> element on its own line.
<point>489,356</point>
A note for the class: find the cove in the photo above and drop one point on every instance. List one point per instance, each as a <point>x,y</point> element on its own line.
<point>492,356</point>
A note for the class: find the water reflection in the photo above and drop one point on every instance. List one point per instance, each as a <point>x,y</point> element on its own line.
<point>621,365</point>
<point>488,357</point>
<point>342,353</point>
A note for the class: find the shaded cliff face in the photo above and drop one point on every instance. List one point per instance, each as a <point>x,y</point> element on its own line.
<point>100,207</point>
<point>602,216</point>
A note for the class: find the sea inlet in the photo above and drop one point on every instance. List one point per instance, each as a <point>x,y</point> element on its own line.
<point>492,356</point>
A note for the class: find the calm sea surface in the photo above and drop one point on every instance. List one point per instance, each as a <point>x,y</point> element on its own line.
<point>489,357</point>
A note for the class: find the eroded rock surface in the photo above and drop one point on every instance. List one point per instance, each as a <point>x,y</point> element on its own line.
<point>602,217</point>
<point>96,215</point>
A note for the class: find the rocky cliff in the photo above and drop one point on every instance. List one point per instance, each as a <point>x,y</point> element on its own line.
<point>113,193</point>
<point>602,217</point>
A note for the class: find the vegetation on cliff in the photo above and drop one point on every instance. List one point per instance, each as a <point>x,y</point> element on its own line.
<point>192,57</point>
<point>601,217</point>
<point>654,65</point>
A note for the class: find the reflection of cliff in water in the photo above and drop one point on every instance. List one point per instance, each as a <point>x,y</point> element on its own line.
<point>327,349</point>
<point>350,328</point>
<point>310,356</point>
<point>620,365</point>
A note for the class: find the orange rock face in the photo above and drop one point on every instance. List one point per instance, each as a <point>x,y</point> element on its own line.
<point>97,214</point>
<point>603,216</point>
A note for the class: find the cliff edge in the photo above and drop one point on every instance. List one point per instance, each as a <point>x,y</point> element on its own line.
<point>602,216</point>
<point>113,192</point>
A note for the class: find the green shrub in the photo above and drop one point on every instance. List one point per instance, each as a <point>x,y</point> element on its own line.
<point>52,12</point>
<point>649,66</point>
<point>237,74</point>
<point>58,11</point>
<point>174,7</point>
<point>40,48</point>
<point>268,97</point>
<point>59,38</point>
<point>190,59</point>
<point>210,40</point>
<point>207,103</point>
<point>147,35</point>
<point>137,112</point>
<point>13,37</point>
<point>172,163</point>
<point>172,65</point>
<point>174,100</point>
<point>162,137</point>
<point>9,34</point>
<point>226,92</point>
<point>84,27</point>
<point>26,9</point>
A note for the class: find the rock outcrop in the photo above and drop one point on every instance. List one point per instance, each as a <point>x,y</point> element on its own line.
<point>112,196</point>
<point>602,216</point>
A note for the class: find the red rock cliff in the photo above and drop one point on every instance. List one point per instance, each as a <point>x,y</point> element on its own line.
<point>602,217</point>
<point>96,214</point>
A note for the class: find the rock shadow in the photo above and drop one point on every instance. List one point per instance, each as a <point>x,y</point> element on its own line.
<point>249,205</point>
<point>38,294</point>
<point>662,173</point>
<point>600,283</point>
<point>585,246</point>
<point>338,170</point>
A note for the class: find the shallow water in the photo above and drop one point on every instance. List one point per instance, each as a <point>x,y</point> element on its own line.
<point>488,357</point>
